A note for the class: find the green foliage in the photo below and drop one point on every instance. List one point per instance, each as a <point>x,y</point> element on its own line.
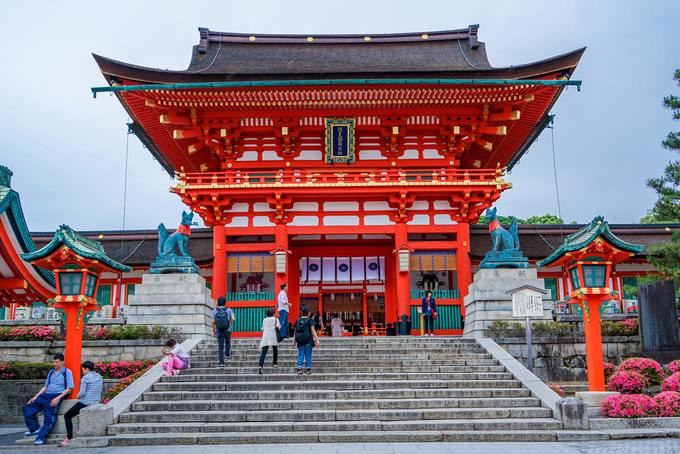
<point>544,219</point>
<point>667,187</point>
<point>539,219</point>
<point>666,258</point>
<point>128,332</point>
<point>28,371</point>
<point>502,328</point>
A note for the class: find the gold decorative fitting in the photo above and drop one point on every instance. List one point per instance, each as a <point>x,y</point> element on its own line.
<point>251,38</point>
<point>450,163</point>
<point>394,163</point>
<point>424,36</point>
<point>284,130</point>
<point>229,165</point>
<point>310,39</point>
<point>100,236</point>
<point>287,163</point>
<point>395,130</point>
<point>367,38</point>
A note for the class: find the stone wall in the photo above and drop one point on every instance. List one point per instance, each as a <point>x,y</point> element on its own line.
<point>15,393</point>
<point>558,359</point>
<point>93,350</point>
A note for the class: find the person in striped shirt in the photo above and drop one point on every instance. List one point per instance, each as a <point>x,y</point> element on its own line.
<point>91,387</point>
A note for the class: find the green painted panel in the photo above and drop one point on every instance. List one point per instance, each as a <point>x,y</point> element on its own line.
<point>629,281</point>
<point>250,296</point>
<point>551,285</point>
<point>248,319</point>
<point>104,295</point>
<point>130,289</point>
<point>436,294</point>
<point>448,317</point>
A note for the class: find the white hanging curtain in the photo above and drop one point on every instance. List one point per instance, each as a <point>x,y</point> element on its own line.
<point>343,269</point>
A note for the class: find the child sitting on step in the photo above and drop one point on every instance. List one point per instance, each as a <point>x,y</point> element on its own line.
<point>177,357</point>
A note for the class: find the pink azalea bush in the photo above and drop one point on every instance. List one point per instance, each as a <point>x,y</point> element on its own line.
<point>121,369</point>
<point>628,406</point>
<point>5,372</point>
<point>672,383</point>
<point>557,388</point>
<point>630,326</point>
<point>673,366</point>
<point>647,367</point>
<point>28,333</point>
<point>627,382</point>
<point>667,404</point>
<point>609,369</point>
<point>121,385</point>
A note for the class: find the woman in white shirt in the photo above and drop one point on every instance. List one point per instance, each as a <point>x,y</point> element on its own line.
<point>270,338</point>
<point>178,357</point>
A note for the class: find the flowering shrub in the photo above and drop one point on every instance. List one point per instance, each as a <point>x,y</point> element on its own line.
<point>673,366</point>
<point>557,388</point>
<point>627,382</point>
<point>671,383</point>
<point>28,333</point>
<point>121,369</point>
<point>125,332</point>
<point>628,327</point>
<point>627,406</point>
<point>609,369</point>
<point>121,385</point>
<point>31,371</point>
<point>652,370</point>
<point>667,403</point>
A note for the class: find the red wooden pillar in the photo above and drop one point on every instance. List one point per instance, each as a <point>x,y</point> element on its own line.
<point>219,276</point>
<point>402,278</point>
<point>293,286</point>
<point>593,334</point>
<point>281,241</point>
<point>75,325</point>
<point>463,264</point>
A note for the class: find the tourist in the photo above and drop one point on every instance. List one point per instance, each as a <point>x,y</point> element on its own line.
<point>270,325</point>
<point>429,309</point>
<point>284,309</point>
<point>178,358</point>
<point>91,387</point>
<point>390,330</point>
<point>58,384</point>
<point>318,323</point>
<point>305,339</point>
<point>336,326</point>
<point>223,319</point>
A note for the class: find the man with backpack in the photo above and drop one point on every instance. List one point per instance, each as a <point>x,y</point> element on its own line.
<point>223,319</point>
<point>58,384</point>
<point>305,340</point>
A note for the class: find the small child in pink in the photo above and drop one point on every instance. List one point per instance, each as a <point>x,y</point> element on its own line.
<point>178,358</point>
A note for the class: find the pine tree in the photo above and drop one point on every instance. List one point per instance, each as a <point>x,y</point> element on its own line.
<point>667,187</point>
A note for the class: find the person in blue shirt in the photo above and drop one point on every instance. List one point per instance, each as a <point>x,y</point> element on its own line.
<point>58,384</point>
<point>91,387</point>
<point>223,319</point>
<point>429,308</point>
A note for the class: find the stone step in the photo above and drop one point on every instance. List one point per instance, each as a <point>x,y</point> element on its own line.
<point>333,404</point>
<point>311,395</point>
<point>361,343</point>
<point>361,384</point>
<point>334,415</point>
<point>353,426</point>
<point>213,370</point>
<point>353,351</point>
<point>328,356</point>
<point>323,363</point>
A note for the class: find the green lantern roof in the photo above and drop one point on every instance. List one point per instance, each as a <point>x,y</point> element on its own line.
<point>82,246</point>
<point>598,227</point>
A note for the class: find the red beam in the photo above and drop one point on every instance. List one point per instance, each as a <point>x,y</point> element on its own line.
<point>13,284</point>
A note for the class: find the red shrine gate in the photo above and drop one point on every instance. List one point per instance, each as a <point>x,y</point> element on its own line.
<point>340,146</point>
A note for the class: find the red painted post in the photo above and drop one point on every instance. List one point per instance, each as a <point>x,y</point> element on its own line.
<point>402,278</point>
<point>75,324</point>
<point>594,356</point>
<point>463,263</point>
<point>219,278</point>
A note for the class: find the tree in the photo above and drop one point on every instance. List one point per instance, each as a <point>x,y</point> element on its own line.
<point>666,258</point>
<point>545,219</point>
<point>667,187</point>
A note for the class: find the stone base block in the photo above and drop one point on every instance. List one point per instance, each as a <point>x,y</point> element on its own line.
<point>573,413</point>
<point>594,399</point>
<point>180,300</point>
<point>487,299</point>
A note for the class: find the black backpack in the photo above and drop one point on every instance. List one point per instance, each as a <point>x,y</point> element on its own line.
<point>222,319</point>
<point>303,333</point>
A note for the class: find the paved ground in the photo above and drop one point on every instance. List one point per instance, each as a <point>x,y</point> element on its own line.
<point>654,446</point>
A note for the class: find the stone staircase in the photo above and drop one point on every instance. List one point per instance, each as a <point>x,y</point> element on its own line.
<point>393,389</point>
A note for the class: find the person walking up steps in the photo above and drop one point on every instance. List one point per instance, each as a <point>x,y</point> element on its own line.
<point>284,310</point>
<point>223,318</point>
<point>305,340</point>
<point>58,384</point>
<point>269,338</point>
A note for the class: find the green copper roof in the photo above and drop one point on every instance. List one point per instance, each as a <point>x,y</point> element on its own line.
<point>11,205</point>
<point>598,227</point>
<point>77,243</point>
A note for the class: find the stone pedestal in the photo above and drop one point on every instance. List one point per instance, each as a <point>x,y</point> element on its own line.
<point>594,400</point>
<point>180,300</point>
<point>487,299</point>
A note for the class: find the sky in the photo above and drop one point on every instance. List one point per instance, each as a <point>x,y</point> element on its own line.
<point>67,150</point>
